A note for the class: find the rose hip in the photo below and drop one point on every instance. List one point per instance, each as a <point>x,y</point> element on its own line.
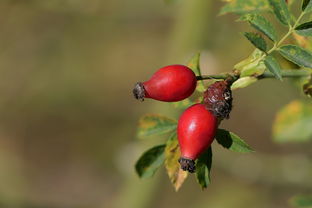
<point>218,99</point>
<point>170,84</point>
<point>196,131</point>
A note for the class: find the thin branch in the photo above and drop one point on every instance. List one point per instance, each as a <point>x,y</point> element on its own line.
<point>216,76</point>
<point>287,74</point>
<point>294,73</point>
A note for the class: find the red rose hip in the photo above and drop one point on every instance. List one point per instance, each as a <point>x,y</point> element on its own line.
<point>170,84</point>
<point>196,130</point>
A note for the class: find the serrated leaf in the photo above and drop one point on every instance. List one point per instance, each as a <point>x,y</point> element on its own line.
<point>150,161</point>
<point>297,55</point>
<point>261,24</point>
<point>293,123</point>
<point>304,29</point>
<point>172,154</point>
<point>302,201</point>
<point>153,124</point>
<point>256,40</point>
<point>245,6</point>
<point>243,82</point>
<point>273,67</point>
<point>252,66</point>
<point>281,11</point>
<point>232,142</point>
<point>194,64</point>
<point>203,167</point>
<point>307,5</point>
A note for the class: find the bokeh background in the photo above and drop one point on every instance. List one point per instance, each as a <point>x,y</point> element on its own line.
<point>68,119</point>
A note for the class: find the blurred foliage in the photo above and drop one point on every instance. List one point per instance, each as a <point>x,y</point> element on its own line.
<point>68,120</point>
<point>292,123</point>
<point>150,161</point>
<point>245,6</point>
<point>302,201</point>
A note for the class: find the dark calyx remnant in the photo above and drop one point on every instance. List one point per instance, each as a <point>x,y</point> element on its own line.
<point>218,99</point>
<point>139,91</point>
<point>187,164</point>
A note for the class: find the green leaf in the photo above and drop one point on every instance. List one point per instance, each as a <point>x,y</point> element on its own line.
<point>243,82</point>
<point>273,66</point>
<point>297,55</point>
<point>307,5</point>
<point>183,103</point>
<point>172,154</point>
<point>256,54</point>
<point>261,24</point>
<point>153,124</point>
<point>244,6</point>
<point>203,167</point>
<point>232,142</point>
<point>281,11</point>
<point>256,40</point>
<point>194,64</point>
<point>301,201</point>
<point>150,161</point>
<point>252,66</point>
<point>293,123</point>
<point>304,29</point>
<point>254,69</point>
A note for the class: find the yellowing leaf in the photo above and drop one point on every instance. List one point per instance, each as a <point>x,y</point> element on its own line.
<point>297,55</point>
<point>293,123</point>
<point>244,6</point>
<point>153,124</point>
<point>303,41</point>
<point>172,155</point>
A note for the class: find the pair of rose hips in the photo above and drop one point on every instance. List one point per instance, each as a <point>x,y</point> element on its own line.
<point>198,124</point>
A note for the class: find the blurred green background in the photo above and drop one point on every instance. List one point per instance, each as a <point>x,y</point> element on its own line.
<point>68,119</point>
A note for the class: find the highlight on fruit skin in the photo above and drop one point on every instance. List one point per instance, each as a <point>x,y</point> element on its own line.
<point>218,99</point>
<point>196,130</point>
<point>169,84</point>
